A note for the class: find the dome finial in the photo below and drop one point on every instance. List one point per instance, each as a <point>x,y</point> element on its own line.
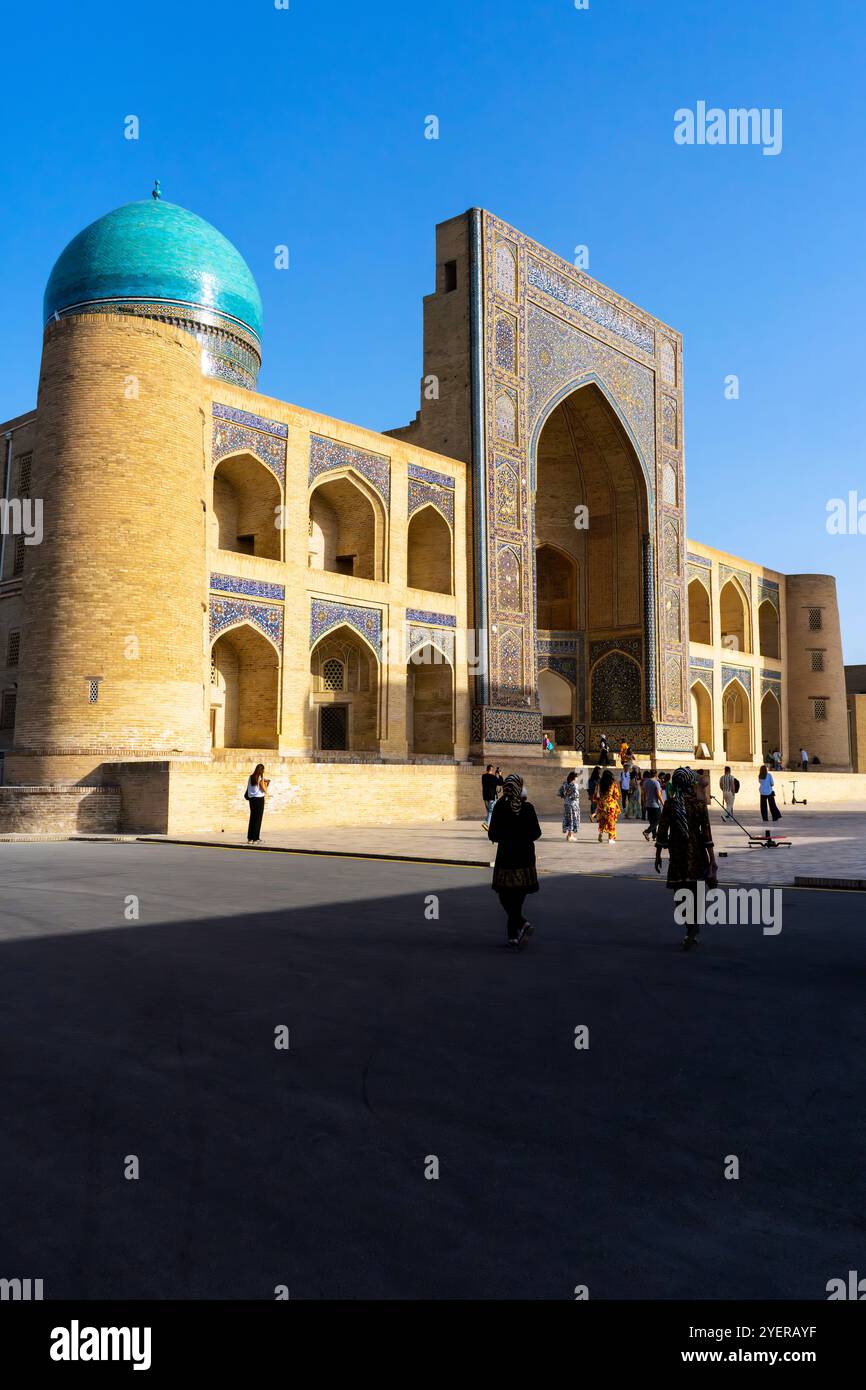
<point>157,193</point>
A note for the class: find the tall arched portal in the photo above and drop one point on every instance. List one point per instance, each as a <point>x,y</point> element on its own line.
<point>591,524</point>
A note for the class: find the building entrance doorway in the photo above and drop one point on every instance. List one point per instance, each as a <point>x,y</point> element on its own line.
<point>334,728</point>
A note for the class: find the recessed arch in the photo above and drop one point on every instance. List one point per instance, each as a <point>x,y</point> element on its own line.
<point>245,681</point>
<point>346,526</point>
<point>700,614</point>
<point>345,713</point>
<point>734,614</point>
<point>771,723</point>
<point>429,558</point>
<point>702,714</point>
<point>245,515</point>
<point>737,722</point>
<point>615,689</point>
<point>768,630</point>
<point>429,701</point>
<point>555,589</point>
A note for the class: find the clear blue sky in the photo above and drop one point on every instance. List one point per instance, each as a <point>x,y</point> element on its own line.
<point>305,127</point>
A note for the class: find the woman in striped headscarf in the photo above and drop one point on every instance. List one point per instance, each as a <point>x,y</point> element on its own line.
<point>514,829</point>
<point>684,831</point>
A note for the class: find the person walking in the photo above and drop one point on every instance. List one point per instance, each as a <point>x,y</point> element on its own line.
<point>804,760</point>
<point>634,794</point>
<point>256,794</point>
<point>609,806</point>
<point>570,793</point>
<point>684,831</point>
<point>625,788</point>
<point>652,800</point>
<point>514,829</point>
<point>766,787</point>
<point>490,784</point>
<point>603,751</point>
<point>591,788</point>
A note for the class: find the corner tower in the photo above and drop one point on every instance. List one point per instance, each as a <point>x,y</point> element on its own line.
<point>114,638</point>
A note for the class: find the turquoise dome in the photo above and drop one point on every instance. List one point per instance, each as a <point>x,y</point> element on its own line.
<point>153,252</point>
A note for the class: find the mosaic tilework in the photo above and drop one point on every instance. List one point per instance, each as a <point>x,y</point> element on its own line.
<point>234,433</point>
<point>701,575</point>
<point>768,592</point>
<point>615,689</point>
<point>429,475</point>
<point>253,422</point>
<point>502,725</point>
<point>506,269</point>
<point>675,738</point>
<point>668,360</point>
<point>506,494</point>
<point>699,560</point>
<point>328,454</point>
<point>742,674</point>
<point>590,305</point>
<point>553,646</point>
<point>326,614</point>
<point>506,343</point>
<point>674,683</point>
<point>649,593</point>
<point>727,572</point>
<point>669,421</point>
<point>423,615</point>
<point>771,682</point>
<point>705,678</point>
<point>251,588</point>
<point>417,637</point>
<point>425,494</point>
<point>632,646</point>
<point>506,417</point>
<point>673,616</point>
<point>229,612</point>
<point>508,580</point>
<point>565,666</point>
<point>560,356</point>
<point>705,662</point>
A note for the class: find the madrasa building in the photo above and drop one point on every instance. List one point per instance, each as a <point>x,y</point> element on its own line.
<point>225,578</point>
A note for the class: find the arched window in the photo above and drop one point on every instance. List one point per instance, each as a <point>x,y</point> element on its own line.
<point>246,498</point>
<point>333,674</point>
<point>768,630</point>
<point>429,552</point>
<point>734,610</point>
<point>700,626</point>
<point>347,529</point>
<point>244,690</point>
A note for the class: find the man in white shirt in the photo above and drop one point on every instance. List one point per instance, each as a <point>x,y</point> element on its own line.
<point>728,788</point>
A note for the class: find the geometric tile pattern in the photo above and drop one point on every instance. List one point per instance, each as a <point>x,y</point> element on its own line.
<point>251,588</point>
<point>328,613</point>
<point>328,454</point>
<point>228,612</point>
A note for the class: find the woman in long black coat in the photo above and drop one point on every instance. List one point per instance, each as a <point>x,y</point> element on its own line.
<point>514,829</point>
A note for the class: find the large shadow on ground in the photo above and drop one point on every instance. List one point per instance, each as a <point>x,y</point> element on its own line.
<point>411,1038</point>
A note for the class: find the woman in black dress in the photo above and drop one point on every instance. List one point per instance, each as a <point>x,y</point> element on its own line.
<point>514,829</point>
<point>685,832</point>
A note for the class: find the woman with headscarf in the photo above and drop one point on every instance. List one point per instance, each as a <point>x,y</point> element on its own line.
<point>570,793</point>
<point>609,803</point>
<point>684,831</point>
<point>591,788</point>
<point>514,829</point>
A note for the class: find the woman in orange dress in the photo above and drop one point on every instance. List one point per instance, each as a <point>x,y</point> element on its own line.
<point>609,806</point>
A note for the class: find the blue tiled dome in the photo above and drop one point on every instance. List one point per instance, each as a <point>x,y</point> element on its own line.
<point>154,251</point>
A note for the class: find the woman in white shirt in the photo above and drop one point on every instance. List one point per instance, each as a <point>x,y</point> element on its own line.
<point>768,795</point>
<point>256,790</point>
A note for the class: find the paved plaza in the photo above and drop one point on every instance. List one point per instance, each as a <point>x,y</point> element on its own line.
<point>416,1036</point>
<point>826,842</point>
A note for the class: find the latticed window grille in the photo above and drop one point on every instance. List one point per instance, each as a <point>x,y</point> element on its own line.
<point>816,619</point>
<point>816,659</point>
<point>214,674</point>
<point>819,708</point>
<point>13,650</point>
<point>18,561</point>
<point>92,690</point>
<point>334,728</point>
<point>333,674</point>
<point>7,709</point>
<point>25,464</point>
